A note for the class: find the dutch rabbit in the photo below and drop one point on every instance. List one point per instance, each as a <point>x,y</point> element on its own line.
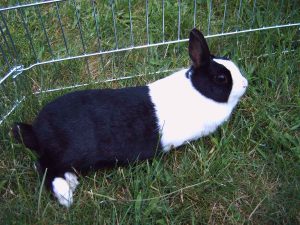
<point>92,129</point>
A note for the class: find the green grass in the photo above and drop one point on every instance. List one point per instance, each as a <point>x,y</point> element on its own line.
<point>248,172</point>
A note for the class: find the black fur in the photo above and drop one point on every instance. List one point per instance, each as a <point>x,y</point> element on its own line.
<point>205,81</point>
<point>23,133</point>
<point>206,73</point>
<point>92,129</point>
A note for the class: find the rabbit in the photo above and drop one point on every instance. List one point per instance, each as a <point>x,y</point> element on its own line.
<point>91,129</point>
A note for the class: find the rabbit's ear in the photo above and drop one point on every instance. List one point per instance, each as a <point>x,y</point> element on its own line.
<point>198,49</point>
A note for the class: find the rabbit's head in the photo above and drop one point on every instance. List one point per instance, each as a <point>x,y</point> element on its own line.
<point>216,78</point>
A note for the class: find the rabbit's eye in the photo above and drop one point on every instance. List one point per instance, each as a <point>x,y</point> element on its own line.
<point>220,79</point>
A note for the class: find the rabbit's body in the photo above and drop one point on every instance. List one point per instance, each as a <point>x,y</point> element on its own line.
<point>97,128</point>
<point>91,129</point>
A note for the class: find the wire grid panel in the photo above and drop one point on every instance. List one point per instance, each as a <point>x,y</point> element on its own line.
<point>45,33</point>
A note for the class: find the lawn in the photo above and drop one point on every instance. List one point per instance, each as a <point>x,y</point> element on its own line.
<point>247,172</point>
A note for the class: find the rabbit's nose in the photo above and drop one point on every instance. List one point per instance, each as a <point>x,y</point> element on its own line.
<point>245,83</point>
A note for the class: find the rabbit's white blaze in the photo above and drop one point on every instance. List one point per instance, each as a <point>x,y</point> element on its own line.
<point>183,113</point>
<point>63,188</point>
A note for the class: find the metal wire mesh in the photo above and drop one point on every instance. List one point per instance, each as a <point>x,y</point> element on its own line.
<point>46,33</point>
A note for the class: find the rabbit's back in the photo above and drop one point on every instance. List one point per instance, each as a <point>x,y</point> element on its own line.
<point>98,127</point>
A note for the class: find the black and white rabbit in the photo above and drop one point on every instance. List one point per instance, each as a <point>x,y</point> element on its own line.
<point>92,129</point>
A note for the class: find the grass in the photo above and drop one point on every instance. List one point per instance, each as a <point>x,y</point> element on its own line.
<point>248,172</point>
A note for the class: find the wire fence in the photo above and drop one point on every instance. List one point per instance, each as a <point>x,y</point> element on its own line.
<point>37,34</point>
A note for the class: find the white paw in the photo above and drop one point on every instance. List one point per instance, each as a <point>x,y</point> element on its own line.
<point>62,191</point>
<point>71,178</point>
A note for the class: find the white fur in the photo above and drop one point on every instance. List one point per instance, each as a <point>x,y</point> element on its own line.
<point>63,188</point>
<point>71,179</point>
<point>184,114</point>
